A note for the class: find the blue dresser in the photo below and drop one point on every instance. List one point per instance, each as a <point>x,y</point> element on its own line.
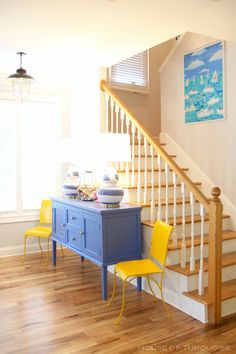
<point>102,235</point>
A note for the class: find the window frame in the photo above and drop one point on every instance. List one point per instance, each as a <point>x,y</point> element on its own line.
<point>131,87</point>
<point>21,215</point>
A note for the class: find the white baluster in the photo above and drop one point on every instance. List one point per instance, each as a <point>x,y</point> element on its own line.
<point>117,109</point>
<point>127,162</point>
<point>145,172</point>
<point>159,187</point>
<point>122,117</point>
<point>139,168</point>
<point>112,114</point>
<point>133,155</point>
<point>152,186</point>
<point>174,233</point>
<point>192,258</point>
<point>107,112</point>
<point>167,192</point>
<point>183,244</point>
<point>201,269</point>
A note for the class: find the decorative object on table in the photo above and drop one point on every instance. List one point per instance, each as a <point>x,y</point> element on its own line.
<point>71,185</point>
<point>112,148</point>
<point>87,188</point>
<point>77,151</point>
<point>21,81</point>
<point>204,84</point>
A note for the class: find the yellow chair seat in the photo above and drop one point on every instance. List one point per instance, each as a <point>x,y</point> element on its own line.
<point>39,231</point>
<point>137,268</point>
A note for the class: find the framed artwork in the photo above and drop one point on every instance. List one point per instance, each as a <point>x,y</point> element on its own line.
<point>204,84</point>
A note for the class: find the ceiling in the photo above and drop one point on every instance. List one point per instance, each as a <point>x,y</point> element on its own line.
<point>61,36</point>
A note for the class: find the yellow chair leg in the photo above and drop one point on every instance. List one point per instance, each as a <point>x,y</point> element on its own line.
<point>62,252</point>
<point>47,255</point>
<point>114,290</point>
<point>150,287</point>
<point>40,245</point>
<point>123,304</point>
<point>162,298</point>
<point>25,238</point>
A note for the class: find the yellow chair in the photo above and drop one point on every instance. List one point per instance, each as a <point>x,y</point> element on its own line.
<point>43,230</point>
<point>145,267</point>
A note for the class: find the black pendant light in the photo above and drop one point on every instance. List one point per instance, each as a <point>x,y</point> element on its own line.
<point>21,81</point>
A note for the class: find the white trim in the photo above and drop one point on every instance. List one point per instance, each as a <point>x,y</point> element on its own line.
<point>12,218</point>
<point>175,46</point>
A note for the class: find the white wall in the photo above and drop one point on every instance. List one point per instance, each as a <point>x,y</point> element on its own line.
<point>211,145</point>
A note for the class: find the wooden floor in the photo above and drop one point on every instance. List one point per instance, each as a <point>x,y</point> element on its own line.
<point>59,310</point>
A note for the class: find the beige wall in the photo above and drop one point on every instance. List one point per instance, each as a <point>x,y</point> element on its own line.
<point>211,145</point>
<point>147,107</point>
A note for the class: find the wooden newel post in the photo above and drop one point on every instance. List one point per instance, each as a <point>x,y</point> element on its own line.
<point>215,257</point>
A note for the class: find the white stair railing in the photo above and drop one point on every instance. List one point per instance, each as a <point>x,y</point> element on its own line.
<point>159,187</point>
<point>139,168</point>
<point>192,258</point>
<point>145,172</point>
<point>201,268</point>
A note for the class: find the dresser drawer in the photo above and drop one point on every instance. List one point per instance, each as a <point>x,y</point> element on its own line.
<point>75,218</point>
<point>75,239</point>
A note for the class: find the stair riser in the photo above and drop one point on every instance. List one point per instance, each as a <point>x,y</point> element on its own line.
<point>149,163</point>
<point>147,231</point>
<point>228,306</point>
<point>146,212</point>
<point>173,257</point>
<point>131,194</point>
<point>190,283</point>
<point>122,178</point>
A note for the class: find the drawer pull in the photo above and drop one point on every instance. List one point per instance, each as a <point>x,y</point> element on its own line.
<point>63,225</point>
<point>81,233</point>
<point>73,217</point>
<point>73,239</point>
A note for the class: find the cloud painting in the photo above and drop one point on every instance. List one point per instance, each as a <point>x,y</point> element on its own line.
<point>203,84</point>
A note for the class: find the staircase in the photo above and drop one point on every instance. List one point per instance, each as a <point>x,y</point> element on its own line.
<point>201,264</point>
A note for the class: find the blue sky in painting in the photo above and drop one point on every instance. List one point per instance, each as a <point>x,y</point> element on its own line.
<point>200,61</point>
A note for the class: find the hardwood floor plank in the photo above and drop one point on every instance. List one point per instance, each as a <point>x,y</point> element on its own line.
<point>58,310</point>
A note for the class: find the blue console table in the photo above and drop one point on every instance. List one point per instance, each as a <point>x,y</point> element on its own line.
<point>102,235</point>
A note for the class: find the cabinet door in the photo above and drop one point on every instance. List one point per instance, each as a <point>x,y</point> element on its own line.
<point>92,236</point>
<point>59,223</point>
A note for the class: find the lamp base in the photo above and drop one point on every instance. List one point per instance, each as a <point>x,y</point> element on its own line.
<point>110,196</point>
<point>111,205</point>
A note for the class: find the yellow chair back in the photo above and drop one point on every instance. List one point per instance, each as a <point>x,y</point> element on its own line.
<point>160,238</point>
<point>46,212</point>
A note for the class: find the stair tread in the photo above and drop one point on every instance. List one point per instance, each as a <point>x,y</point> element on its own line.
<point>228,292</point>
<point>149,170</point>
<point>228,259</point>
<point>197,218</point>
<point>226,235</point>
<point>143,155</point>
<point>142,143</point>
<point>163,202</point>
<point>156,185</point>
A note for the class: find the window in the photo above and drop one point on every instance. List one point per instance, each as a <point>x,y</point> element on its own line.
<point>131,74</point>
<point>28,163</point>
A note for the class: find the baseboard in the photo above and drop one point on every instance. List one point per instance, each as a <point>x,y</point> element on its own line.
<point>19,249</point>
<point>183,159</point>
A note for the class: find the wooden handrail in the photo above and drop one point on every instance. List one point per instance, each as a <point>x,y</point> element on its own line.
<point>183,177</point>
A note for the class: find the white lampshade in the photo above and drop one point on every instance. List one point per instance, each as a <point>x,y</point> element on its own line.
<point>113,147</point>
